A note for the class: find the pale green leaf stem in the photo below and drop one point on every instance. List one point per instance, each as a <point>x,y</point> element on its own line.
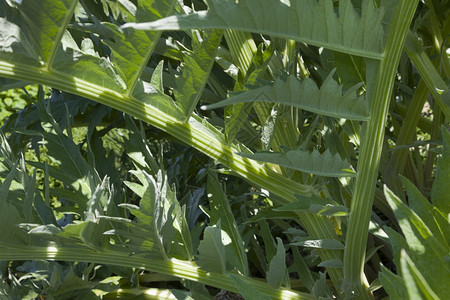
<point>355,283</point>
<point>242,49</point>
<point>181,269</point>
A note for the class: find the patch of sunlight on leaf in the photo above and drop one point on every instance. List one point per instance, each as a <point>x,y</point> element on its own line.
<point>52,251</point>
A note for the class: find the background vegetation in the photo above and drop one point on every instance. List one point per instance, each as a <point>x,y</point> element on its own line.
<point>257,149</point>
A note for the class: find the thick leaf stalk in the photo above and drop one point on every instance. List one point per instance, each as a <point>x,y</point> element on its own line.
<point>355,283</point>
<point>172,267</point>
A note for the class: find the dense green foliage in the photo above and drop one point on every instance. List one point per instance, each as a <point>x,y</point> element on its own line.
<point>190,150</point>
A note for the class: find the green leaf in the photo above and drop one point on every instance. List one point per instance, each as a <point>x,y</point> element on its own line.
<point>265,214</point>
<point>157,77</point>
<point>9,215</point>
<point>277,266</point>
<point>327,100</point>
<point>315,205</point>
<point>393,284</point>
<point>303,203</point>
<point>14,45</point>
<point>414,281</point>
<point>247,290</point>
<point>211,250</point>
<point>196,70</point>
<point>66,154</point>
<point>45,23</point>
<point>439,193</point>
<point>181,241</point>
<point>43,210</point>
<point>44,30</point>
<point>270,246</point>
<point>324,164</point>
<point>422,246</point>
<point>179,295</point>
<point>220,210</point>
<point>132,49</point>
<point>332,263</point>
<point>302,268</point>
<point>321,288</point>
<point>329,210</point>
<point>435,83</point>
<point>153,218</point>
<point>350,69</point>
<point>422,207</point>
<point>347,32</point>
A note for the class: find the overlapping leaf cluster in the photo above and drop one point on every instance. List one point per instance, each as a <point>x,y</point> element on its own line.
<point>290,96</point>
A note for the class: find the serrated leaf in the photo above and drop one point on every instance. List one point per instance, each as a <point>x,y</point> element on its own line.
<point>324,164</point>
<point>44,27</point>
<point>347,32</point>
<point>327,100</point>
<point>152,218</point>
<point>277,266</point>
<point>72,168</point>
<point>132,49</point>
<point>211,250</point>
<point>181,242</point>
<point>196,69</point>
<point>137,188</point>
